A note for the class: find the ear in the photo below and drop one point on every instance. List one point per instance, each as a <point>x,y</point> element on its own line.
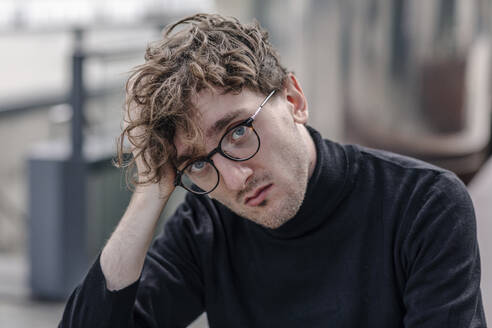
<point>296,100</point>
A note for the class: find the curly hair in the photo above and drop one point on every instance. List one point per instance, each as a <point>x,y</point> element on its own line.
<point>203,51</point>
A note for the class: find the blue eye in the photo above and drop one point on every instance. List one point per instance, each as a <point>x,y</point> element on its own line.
<point>197,166</point>
<point>238,132</point>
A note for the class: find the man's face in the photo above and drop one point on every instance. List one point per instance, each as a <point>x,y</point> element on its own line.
<point>268,188</point>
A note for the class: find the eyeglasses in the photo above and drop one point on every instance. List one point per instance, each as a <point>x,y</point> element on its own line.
<point>239,143</point>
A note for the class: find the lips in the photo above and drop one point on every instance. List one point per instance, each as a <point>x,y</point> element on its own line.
<point>258,196</point>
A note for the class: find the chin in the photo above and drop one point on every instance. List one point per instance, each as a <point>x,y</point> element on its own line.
<point>273,212</point>
<point>272,224</point>
<point>273,218</point>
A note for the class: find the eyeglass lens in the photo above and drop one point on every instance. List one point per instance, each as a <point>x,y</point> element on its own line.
<point>240,143</point>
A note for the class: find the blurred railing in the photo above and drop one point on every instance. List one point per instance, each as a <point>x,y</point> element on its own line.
<point>52,98</point>
<point>66,222</point>
<point>58,189</point>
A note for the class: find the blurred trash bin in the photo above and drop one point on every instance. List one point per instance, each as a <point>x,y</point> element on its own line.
<point>64,237</point>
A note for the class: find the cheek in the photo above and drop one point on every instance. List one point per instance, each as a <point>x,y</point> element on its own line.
<point>271,145</point>
<point>217,195</point>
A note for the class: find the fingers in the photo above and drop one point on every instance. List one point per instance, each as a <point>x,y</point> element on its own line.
<point>148,170</point>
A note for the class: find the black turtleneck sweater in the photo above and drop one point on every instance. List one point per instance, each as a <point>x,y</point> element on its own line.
<point>381,240</point>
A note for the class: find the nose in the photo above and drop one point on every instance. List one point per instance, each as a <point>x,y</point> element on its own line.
<point>234,175</point>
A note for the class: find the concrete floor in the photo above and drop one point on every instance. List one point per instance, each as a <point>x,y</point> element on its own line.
<point>17,309</point>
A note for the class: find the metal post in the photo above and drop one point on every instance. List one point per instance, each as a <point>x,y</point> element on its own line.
<point>75,224</point>
<point>77,97</point>
<point>58,203</point>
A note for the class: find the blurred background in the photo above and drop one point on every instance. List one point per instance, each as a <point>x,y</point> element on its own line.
<point>411,77</point>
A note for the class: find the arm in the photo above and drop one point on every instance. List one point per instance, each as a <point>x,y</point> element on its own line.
<point>106,297</point>
<point>168,293</point>
<point>108,294</point>
<point>123,256</point>
<point>441,259</point>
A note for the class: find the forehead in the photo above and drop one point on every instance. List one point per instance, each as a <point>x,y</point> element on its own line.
<point>213,113</point>
<point>212,105</point>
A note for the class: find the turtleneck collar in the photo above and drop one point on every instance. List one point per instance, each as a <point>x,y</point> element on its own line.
<point>326,188</point>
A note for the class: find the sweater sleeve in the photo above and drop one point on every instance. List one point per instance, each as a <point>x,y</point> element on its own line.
<point>441,260</point>
<point>93,305</point>
<point>167,294</point>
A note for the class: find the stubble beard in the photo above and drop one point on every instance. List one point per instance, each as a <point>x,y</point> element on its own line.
<point>273,215</point>
<point>286,209</point>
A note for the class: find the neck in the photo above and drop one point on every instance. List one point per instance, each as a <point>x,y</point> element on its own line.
<point>328,183</point>
<point>311,149</point>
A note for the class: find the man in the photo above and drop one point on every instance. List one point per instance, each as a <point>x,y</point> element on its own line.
<point>280,228</point>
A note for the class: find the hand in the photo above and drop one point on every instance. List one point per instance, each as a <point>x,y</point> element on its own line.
<point>145,170</point>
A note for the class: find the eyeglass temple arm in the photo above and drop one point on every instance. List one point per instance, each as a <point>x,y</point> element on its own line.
<point>262,104</point>
<point>177,179</point>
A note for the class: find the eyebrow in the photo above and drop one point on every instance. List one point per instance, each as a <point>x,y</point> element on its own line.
<point>182,159</point>
<point>223,122</point>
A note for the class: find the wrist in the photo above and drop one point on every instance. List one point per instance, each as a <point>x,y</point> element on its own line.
<point>153,193</point>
